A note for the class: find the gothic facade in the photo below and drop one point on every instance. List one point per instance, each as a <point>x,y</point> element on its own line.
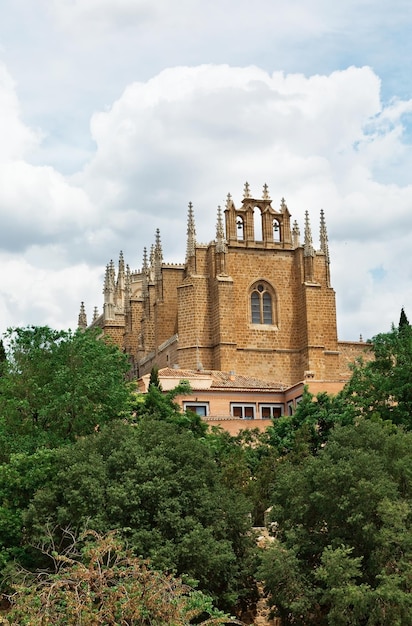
<point>256,301</point>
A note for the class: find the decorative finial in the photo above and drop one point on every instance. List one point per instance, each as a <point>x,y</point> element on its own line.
<point>265,194</point>
<point>246,191</point>
<point>228,200</point>
<point>220,233</point>
<point>112,271</point>
<point>191,233</point>
<point>82,317</point>
<point>323,236</point>
<point>95,313</point>
<point>361,338</point>
<point>283,205</point>
<point>158,245</point>
<point>308,244</point>
<point>145,266</point>
<point>158,256</point>
<point>121,261</point>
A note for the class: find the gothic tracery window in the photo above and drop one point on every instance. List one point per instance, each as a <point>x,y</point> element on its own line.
<point>261,303</point>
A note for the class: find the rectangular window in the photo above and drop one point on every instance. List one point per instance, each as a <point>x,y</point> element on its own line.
<point>201,408</point>
<point>255,301</point>
<point>267,309</point>
<point>270,411</point>
<point>243,411</point>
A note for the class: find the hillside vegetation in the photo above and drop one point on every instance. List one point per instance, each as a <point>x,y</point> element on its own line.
<point>117,508</point>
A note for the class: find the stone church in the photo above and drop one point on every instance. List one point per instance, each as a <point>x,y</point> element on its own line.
<point>256,301</point>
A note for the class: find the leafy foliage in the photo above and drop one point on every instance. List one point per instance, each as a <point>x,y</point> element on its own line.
<point>382,388</point>
<point>308,429</point>
<point>343,536</point>
<point>160,488</point>
<point>105,584</point>
<point>58,385</point>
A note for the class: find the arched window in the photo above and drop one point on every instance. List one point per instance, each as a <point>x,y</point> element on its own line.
<point>276,231</point>
<point>261,304</point>
<point>240,226</point>
<point>257,224</point>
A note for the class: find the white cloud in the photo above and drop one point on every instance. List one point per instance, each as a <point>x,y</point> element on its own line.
<point>197,133</point>
<point>16,138</point>
<point>194,134</point>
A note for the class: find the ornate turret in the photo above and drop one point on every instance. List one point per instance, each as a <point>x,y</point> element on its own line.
<point>82,323</point>
<point>127,288</point>
<point>308,250</point>
<point>158,261</point>
<point>120,284</point>
<point>145,275</point>
<point>324,246</point>
<point>191,241</point>
<point>108,291</point>
<point>221,247</point>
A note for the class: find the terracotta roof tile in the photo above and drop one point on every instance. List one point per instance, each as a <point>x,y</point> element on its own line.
<point>222,380</point>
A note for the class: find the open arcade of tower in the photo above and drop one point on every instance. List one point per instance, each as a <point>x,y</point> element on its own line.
<point>257,300</point>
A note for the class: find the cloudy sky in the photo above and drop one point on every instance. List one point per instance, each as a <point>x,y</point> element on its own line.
<point>114,114</point>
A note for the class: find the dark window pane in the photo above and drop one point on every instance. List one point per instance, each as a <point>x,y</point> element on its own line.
<point>249,412</point>
<point>255,302</point>
<point>267,308</point>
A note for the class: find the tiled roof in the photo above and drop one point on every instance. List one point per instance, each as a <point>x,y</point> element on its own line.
<point>221,380</point>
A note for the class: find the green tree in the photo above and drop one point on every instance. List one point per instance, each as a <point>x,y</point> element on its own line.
<point>159,486</point>
<point>3,357</point>
<point>308,429</point>
<point>154,377</point>
<point>382,387</point>
<point>342,521</point>
<point>97,581</point>
<point>403,320</point>
<point>58,385</point>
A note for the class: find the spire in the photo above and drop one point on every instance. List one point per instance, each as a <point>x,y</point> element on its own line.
<point>220,233</point>
<point>265,195</point>
<point>145,266</point>
<point>108,290</point>
<point>82,317</point>
<point>120,281</point>
<point>95,314</point>
<point>158,260</point>
<point>112,273</point>
<point>246,191</point>
<point>308,249</point>
<point>323,236</point>
<point>158,247</point>
<point>127,287</point>
<point>145,274</point>
<point>108,280</point>
<point>228,200</point>
<point>191,233</point>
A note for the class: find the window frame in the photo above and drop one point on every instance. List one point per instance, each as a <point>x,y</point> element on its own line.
<point>243,406</point>
<point>271,406</point>
<point>187,406</point>
<point>262,305</point>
